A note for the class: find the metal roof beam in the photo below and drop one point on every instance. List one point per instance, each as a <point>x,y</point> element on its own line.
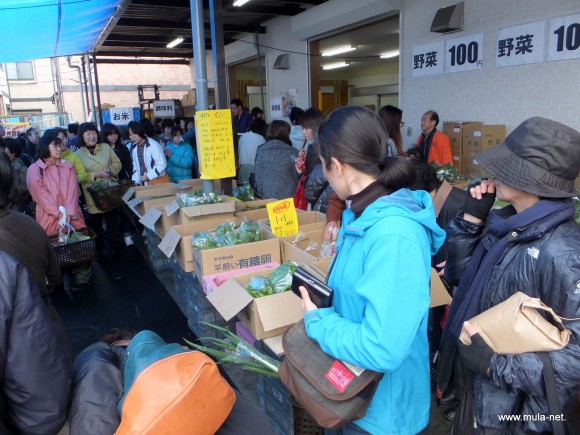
<point>180,25</point>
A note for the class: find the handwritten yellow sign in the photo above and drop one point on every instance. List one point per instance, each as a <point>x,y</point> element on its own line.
<point>283,219</point>
<point>215,140</point>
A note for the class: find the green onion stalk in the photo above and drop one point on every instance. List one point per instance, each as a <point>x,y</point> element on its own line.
<point>235,350</point>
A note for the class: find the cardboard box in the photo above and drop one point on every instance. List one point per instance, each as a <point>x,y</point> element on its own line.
<point>211,261</point>
<point>210,282</point>
<point>322,266</point>
<point>471,137</point>
<point>178,240</point>
<point>197,213</point>
<point>455,131</point>
<point>477,138</point>
<point>261,214</point>
<point>253,215</point>
<point>162,221</point>
<point>470,167</point>
<point>438,294</point>
<point>198,183</point>
<point>297,252</point>
<point>159,190</point>
<point>253,205</point>
<point>265,317</point>
<point>493,135</point>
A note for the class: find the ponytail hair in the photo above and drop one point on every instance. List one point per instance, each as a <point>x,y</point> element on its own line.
<point>356,136</point>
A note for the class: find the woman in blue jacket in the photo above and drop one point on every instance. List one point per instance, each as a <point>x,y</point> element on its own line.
<point>380,275</point>
<point>180,157</point>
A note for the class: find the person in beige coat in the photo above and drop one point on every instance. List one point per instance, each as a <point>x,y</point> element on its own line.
<point>101,164</point>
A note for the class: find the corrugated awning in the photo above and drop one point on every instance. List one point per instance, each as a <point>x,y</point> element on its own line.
<point>37,29</point>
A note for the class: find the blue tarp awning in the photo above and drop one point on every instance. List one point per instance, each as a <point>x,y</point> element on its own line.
<point>37,29</point>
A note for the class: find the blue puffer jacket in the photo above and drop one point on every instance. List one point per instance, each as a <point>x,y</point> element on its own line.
<point>378,320</point>
<point>180,163</point>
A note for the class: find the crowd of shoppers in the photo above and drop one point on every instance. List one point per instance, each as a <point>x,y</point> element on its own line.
<point>396,221</point>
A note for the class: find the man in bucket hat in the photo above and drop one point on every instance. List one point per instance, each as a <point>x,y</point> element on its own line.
<point>530,246</point>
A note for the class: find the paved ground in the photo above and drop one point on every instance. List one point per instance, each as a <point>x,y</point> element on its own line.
<point>128,294</point>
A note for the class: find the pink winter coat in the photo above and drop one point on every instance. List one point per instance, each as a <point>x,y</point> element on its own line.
<point>55,185</point>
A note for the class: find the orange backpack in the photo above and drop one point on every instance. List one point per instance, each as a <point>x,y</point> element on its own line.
<point>169,390</point>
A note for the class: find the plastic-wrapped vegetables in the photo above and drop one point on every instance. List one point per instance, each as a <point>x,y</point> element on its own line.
<point>196,198</point>
<point>249,231</point>
<point>244,193</point>
<point>277,282</point>
<point>203,240</point>
<point>225,234</point>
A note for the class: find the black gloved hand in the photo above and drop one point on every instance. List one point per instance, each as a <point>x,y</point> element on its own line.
<point>478,208</point>
<point>477,355</point>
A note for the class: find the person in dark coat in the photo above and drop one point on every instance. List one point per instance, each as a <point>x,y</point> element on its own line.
<point>274,168</point>
<point>35,368</point>
<point>28,155</point>
<point>112,136</point>
<point>318,190</point>
<point>530,246</point>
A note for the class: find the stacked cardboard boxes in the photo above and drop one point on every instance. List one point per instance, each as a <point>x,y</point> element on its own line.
<point>469,138</point>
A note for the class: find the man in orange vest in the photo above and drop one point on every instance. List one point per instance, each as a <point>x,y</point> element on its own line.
<point>434,145</point>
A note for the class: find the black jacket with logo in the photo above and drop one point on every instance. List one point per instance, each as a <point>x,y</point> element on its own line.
<point>542,264</point>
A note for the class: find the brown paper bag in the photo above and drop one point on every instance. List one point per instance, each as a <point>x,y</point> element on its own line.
<point>516,326</point>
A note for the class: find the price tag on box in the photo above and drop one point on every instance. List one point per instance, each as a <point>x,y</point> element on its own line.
<point>283,218</point>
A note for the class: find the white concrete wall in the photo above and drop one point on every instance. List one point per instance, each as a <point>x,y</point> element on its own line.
<point>493,95</point>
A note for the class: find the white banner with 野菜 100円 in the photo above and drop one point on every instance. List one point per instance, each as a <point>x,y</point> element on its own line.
<point>464,54</point>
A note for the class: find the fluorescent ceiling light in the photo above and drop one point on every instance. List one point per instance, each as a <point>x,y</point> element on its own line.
<point>240,2</point>
<point>176,42</point>
<point>335,65</point>
<point>338,50</point>
<point>389,54</point>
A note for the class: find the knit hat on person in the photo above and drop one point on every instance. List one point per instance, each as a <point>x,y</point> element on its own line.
<point>540,156</point>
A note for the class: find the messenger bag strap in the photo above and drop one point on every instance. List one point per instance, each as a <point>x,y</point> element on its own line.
<point>551,394</point>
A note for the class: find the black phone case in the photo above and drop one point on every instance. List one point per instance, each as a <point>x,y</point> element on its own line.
<point>320,294</point>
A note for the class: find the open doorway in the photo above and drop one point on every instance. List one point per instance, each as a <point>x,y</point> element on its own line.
<point>244,83</point>
<point>357,66</point>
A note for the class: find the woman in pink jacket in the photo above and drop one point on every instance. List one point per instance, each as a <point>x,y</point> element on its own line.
<point>52,182</point>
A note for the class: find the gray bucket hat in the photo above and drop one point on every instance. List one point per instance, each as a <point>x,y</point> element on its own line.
<point>540,156</point>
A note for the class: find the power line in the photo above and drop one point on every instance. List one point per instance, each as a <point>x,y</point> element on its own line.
<point>306,54</point>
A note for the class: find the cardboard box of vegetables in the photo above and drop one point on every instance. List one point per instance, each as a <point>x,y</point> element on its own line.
<point>261,300</point>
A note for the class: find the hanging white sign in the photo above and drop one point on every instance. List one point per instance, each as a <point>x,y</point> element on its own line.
<point>275,108</point>
<point>464,54</point>
<point>164,109</point>
<point>428,59</point>
<point>564,38</point>
<point>121,115</point>
<point>520,45</point>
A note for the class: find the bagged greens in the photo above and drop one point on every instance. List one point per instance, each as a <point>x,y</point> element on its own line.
<point>249,231</point>
<point>203,240</point>
<point>226,235</point>
<point>196,198</point>
<point>280,280</point>
<point>244,193</point>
